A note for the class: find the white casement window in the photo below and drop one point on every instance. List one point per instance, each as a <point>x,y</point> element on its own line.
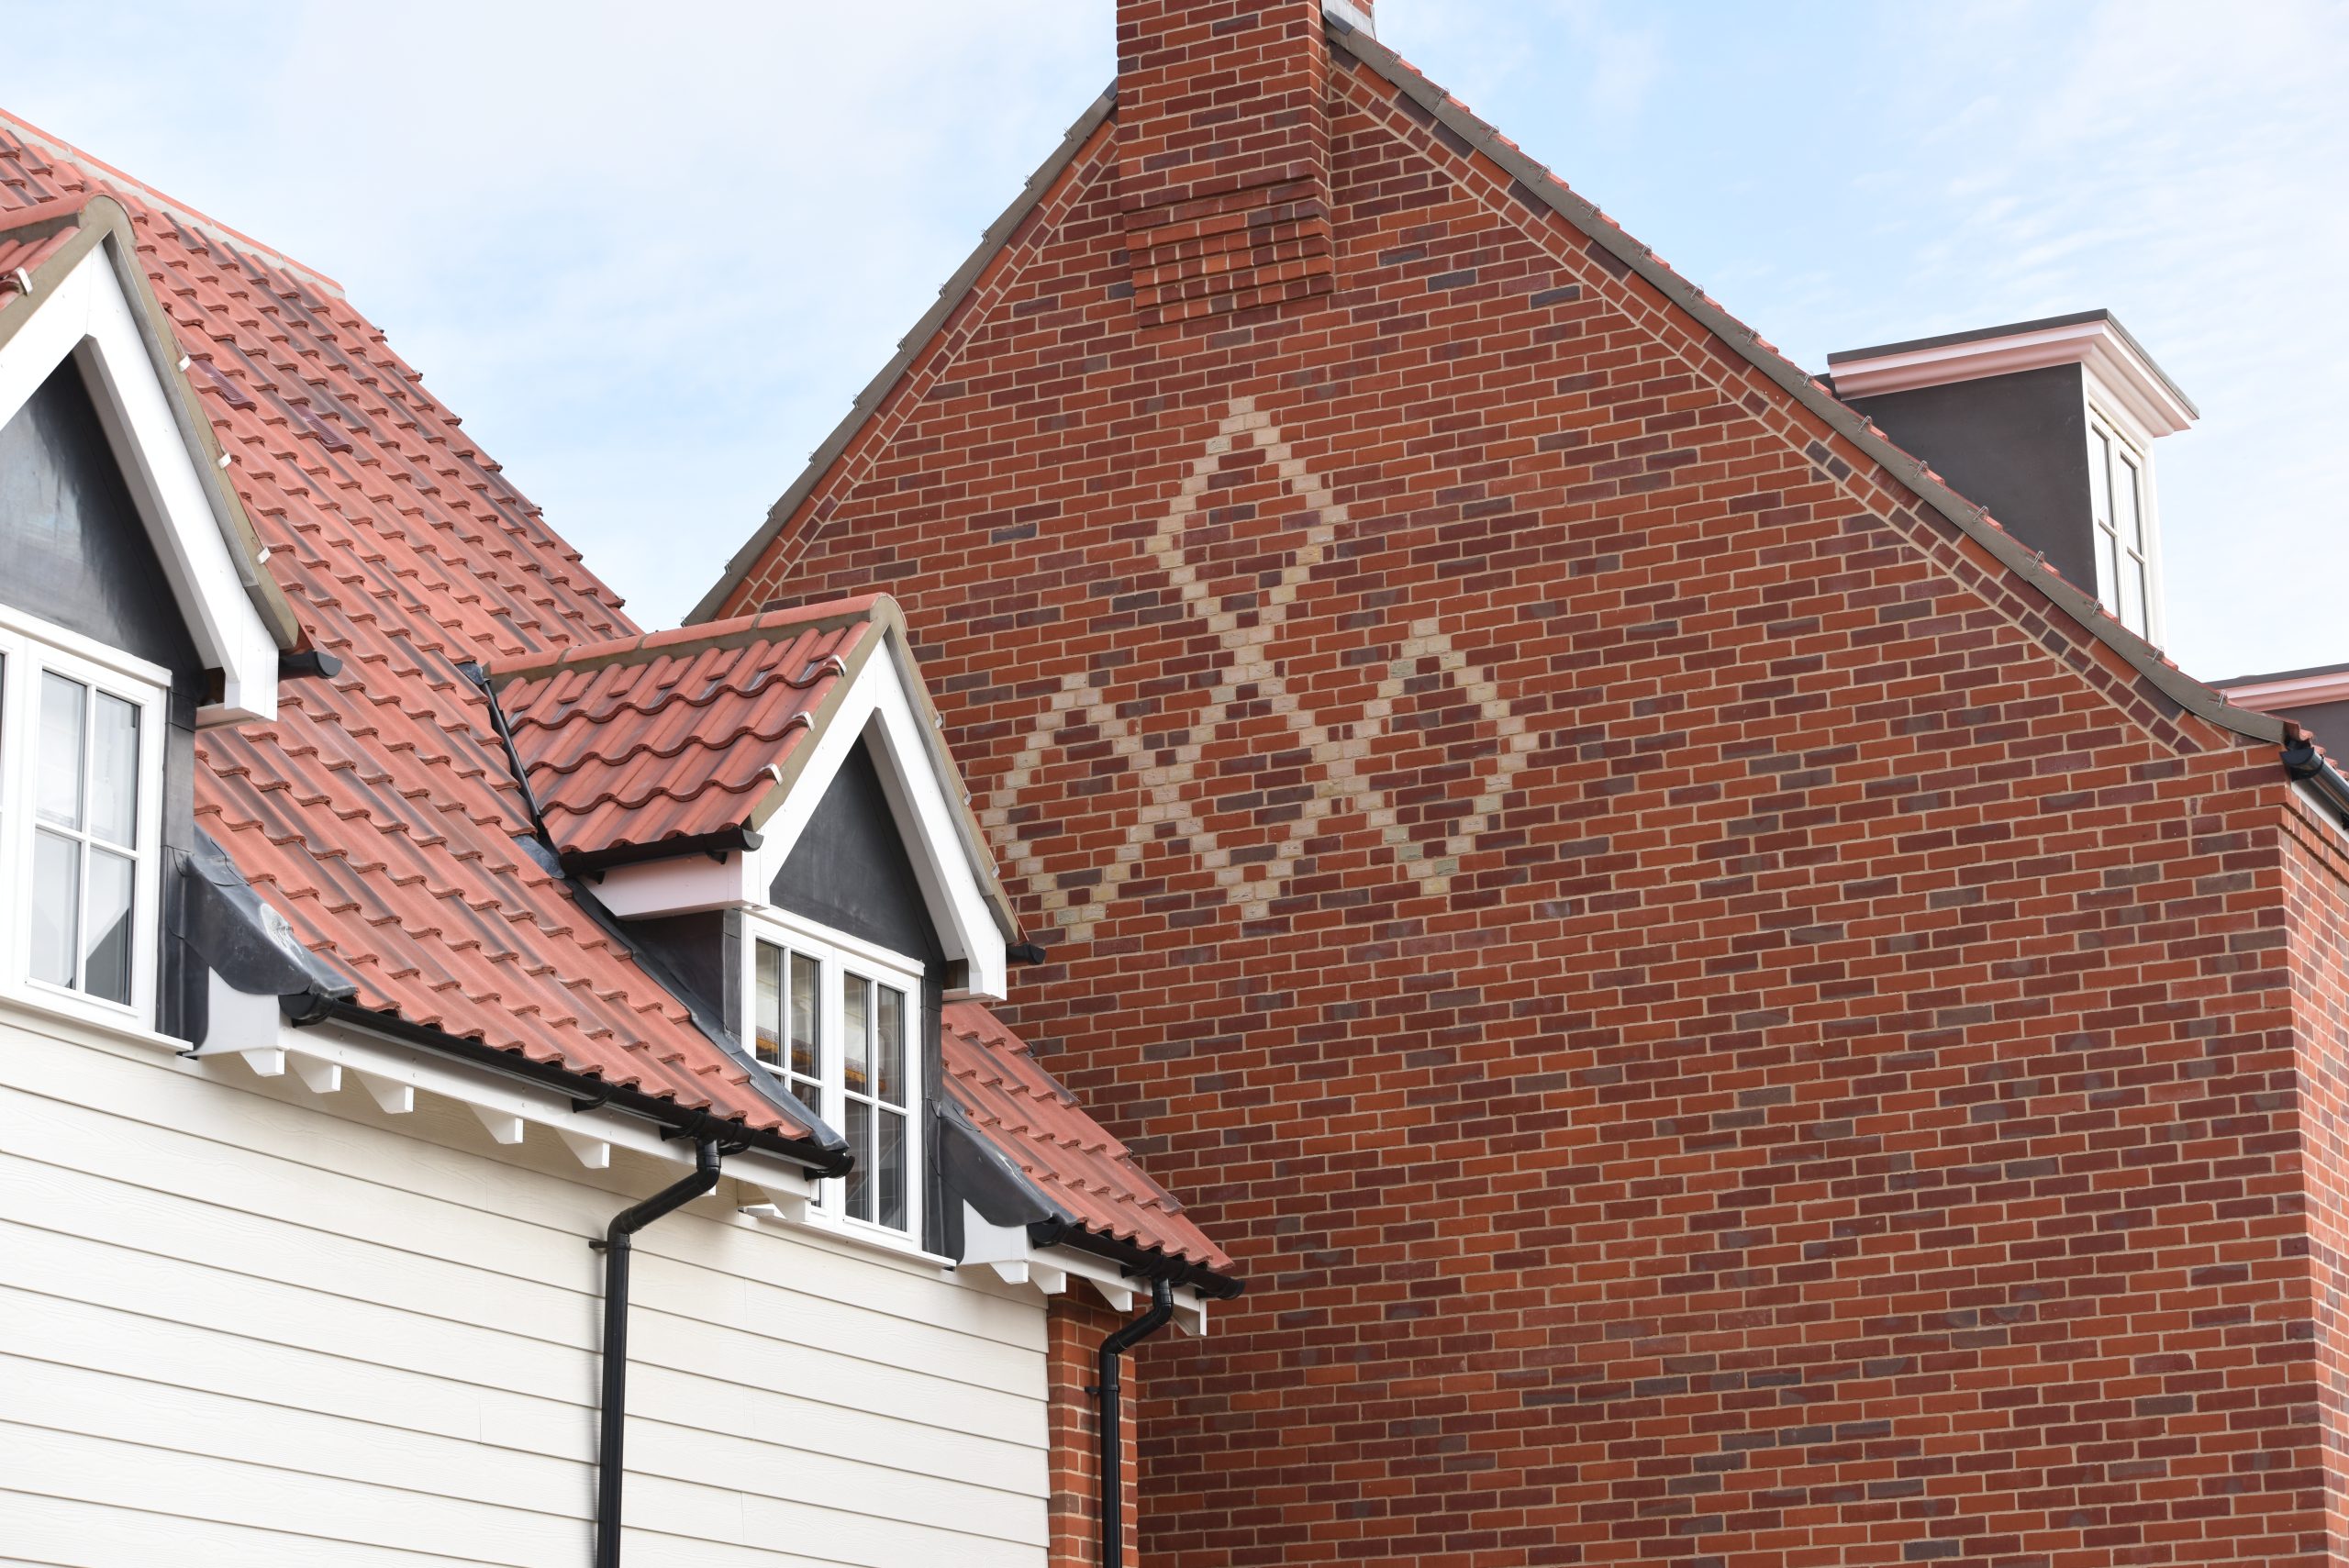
<point>81,796</point>
<point>835,1021</point>
<point>2122,503</point>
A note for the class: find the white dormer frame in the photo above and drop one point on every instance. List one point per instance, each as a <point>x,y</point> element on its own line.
<point>881,706</point>
<point>87,316</point>
<point>2116,366</point>
<point>2121,389</point>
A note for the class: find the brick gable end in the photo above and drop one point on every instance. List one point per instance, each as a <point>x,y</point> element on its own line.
<point>1720,1024</point>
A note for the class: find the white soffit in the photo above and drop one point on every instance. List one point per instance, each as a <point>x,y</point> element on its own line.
<point>2120,367</point>
<point>85,316</point>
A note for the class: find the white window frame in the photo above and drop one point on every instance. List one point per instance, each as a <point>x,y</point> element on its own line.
<point>2123,435</point>
<point>30,646</point>
<point>836,955</point>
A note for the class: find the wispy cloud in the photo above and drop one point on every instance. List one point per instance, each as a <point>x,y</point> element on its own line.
<point>650,263</point>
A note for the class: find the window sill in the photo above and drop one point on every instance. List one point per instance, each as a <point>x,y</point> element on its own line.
<point>865,1239</point>
<point>32,1009</point>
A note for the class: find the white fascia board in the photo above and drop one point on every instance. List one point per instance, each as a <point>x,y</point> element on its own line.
<point>878,706</point>
<point>1007,1253</point>
<point>2300,691</point>
<point>392,1072</point>
<point>2119,369</point>
<point>86,316</point>
<point>681,885</point>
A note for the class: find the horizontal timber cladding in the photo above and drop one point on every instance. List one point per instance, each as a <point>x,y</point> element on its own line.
<point>268,1327</point>
<point>1720,1026</point>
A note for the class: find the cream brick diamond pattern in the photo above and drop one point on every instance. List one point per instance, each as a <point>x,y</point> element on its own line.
<point>1250,639</point>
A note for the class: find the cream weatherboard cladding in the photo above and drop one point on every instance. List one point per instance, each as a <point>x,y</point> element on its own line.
<point>242,1324</point>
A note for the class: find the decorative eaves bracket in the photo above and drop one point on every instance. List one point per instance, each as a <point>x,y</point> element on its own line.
<point>326,1059</point>
<point>1017,1261</point>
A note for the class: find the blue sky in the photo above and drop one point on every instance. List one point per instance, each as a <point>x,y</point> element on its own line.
<point>649,254</point>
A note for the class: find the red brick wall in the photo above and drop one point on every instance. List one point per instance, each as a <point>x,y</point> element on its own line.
<point>1223,155</point>
<point>1076,1324</point>
<point>2318,889</point>
<point>1721,1029</point>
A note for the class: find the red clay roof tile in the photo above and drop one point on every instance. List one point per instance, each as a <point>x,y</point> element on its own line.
<point>378,813</point>
<point>1070,1158</point>
<point>677,736</point>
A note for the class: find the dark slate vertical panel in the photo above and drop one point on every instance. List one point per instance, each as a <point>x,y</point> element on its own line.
<point>2016,444</point>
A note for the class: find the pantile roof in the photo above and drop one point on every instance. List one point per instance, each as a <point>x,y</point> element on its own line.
<point>679,736</point>
<point>378,813</point>
<point>1071,1161</point>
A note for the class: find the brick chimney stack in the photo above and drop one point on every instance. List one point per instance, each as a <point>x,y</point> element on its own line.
<point>1223,154</point>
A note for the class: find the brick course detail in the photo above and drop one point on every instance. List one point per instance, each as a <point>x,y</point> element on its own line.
<point>1720,1027</point>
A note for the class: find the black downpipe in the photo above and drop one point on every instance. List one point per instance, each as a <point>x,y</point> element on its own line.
<point>1111,1392</point>
<point>610,1462</point>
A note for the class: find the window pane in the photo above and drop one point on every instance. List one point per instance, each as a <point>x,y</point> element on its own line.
<point>2133,594</point>
<point>2107,573</point>
<point>57,905</point>
<point>60,790</point>
<point>114,772</point>
<point>890,1047</point>
<point>107,972</point>
<point>856,1030</point>
<point>766,1017</point>
<point>2126,515</point>
<point>890,1169</point>
<point>2099,479</point>
<point>806,1049</point>
<point>859,1142</point>
<point>810,1095</point>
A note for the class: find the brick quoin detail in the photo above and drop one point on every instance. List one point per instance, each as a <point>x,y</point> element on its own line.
<point>1720,1026</point>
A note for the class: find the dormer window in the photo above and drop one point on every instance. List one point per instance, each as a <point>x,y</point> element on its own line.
<point>81,786</point>
<point>832,1017</point>
<point>2050,426</point>
<point>2122,505</point>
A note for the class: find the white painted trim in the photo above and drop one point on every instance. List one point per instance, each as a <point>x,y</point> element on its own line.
<point>879,708</point>
<point>2101,409</point>
<point>2300,691</point>
<point>1005,1250</point>
<point>680,885</point>
<point>835,952</point>
<point>250,1028</point>
<point>800,931</point>
<point>2108,356</point>
<point>88,317</point>
<point>27,646</point>
<point>88,650</point>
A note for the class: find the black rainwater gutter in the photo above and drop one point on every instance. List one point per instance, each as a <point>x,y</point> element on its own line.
<point>611,1468</point>
<point>1112,1458</point>
<point>2305,763</point>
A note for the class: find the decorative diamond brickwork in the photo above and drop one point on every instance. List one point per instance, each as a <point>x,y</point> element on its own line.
<point>1722,1025</point>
